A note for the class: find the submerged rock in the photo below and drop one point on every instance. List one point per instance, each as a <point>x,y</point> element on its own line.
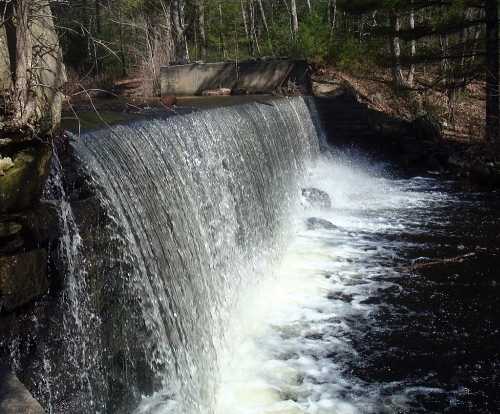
<point>315,223</point>
<point>14,397</point>
<point>316,197</point>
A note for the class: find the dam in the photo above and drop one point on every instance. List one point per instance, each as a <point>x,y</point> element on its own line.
<point>232,261</point>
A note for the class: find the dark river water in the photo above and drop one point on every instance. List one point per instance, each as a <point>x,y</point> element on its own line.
<point>393,309</point>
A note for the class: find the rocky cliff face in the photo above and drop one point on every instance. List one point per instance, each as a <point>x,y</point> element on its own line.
<point>26,224</point>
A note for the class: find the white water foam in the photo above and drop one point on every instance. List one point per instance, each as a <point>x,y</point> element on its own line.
<point>290,336</point>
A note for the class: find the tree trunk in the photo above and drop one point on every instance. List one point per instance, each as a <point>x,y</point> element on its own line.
<point>252,28</point>
<point>266,26</point>
<point>492,71</point>
<point>97,18</point>
<point>181,46</point>
<point>22,94</point>
<point>397,72</point>
<point>295,19</point>
<point>221,33</point>
<point>411,74</point>
<point>10,31</point>
<point>308,3</point>
<point>332,16</point>
<point>200,16</point>
<point>245,26</point>
<point>123,57</point>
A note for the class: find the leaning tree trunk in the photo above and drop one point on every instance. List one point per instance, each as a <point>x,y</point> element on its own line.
<point>492,71</point>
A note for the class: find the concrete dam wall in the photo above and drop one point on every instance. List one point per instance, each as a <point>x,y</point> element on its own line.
<point>256,76</point>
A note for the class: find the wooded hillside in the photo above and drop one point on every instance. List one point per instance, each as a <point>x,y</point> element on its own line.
<point>441,45</point>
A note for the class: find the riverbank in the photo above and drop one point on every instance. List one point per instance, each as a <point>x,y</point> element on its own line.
<point>432,133</point>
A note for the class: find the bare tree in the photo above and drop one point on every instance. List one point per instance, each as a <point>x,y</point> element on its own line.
<point>222,40</point>
<point>178,20</point>
<point>200,16</point>
<point>245,26</point>
<point>37,71</point>
<point>264,23</point>
<point>397,71</point>
<point>295,19</point>
<point>411,74</point>
<point>492,71</point>
<point>332,16</point>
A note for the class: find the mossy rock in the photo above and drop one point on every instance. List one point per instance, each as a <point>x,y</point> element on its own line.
<point>22,185</point>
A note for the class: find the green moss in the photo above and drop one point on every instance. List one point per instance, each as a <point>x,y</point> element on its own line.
<point>89,120</point>
<point>22,184</point>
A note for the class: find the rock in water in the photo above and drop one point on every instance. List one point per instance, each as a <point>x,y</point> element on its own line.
<point>169,101</point>
<point>316,197</point>
<point>315,223</point>
<point>14,397</point>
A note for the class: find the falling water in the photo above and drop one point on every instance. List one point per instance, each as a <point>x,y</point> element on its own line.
<point>78,335</point>
<point>202,206</point>
<point>213,287</point>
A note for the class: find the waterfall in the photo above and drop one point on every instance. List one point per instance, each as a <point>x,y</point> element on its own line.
<point>199,206</point>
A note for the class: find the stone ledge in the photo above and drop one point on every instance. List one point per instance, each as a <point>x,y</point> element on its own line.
<point>14,397</point>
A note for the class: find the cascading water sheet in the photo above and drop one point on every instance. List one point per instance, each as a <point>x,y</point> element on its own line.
<point>227,292</point>
<point>201,205</point>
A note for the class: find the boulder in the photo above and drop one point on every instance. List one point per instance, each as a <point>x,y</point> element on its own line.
<point>40,224</point>
<point>11,238</point>
<point>22,184</point>
<point>168,101</point>
<point>14,397</point>
<point>316,197</point>
<point>29,229</point>
<point>427,127</point>
<point>23,277</point>
<point>315,223</point>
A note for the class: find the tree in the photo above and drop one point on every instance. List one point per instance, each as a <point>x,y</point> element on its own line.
<point>37,72</point>
<point>492,71</point>
<point>295,19</point>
